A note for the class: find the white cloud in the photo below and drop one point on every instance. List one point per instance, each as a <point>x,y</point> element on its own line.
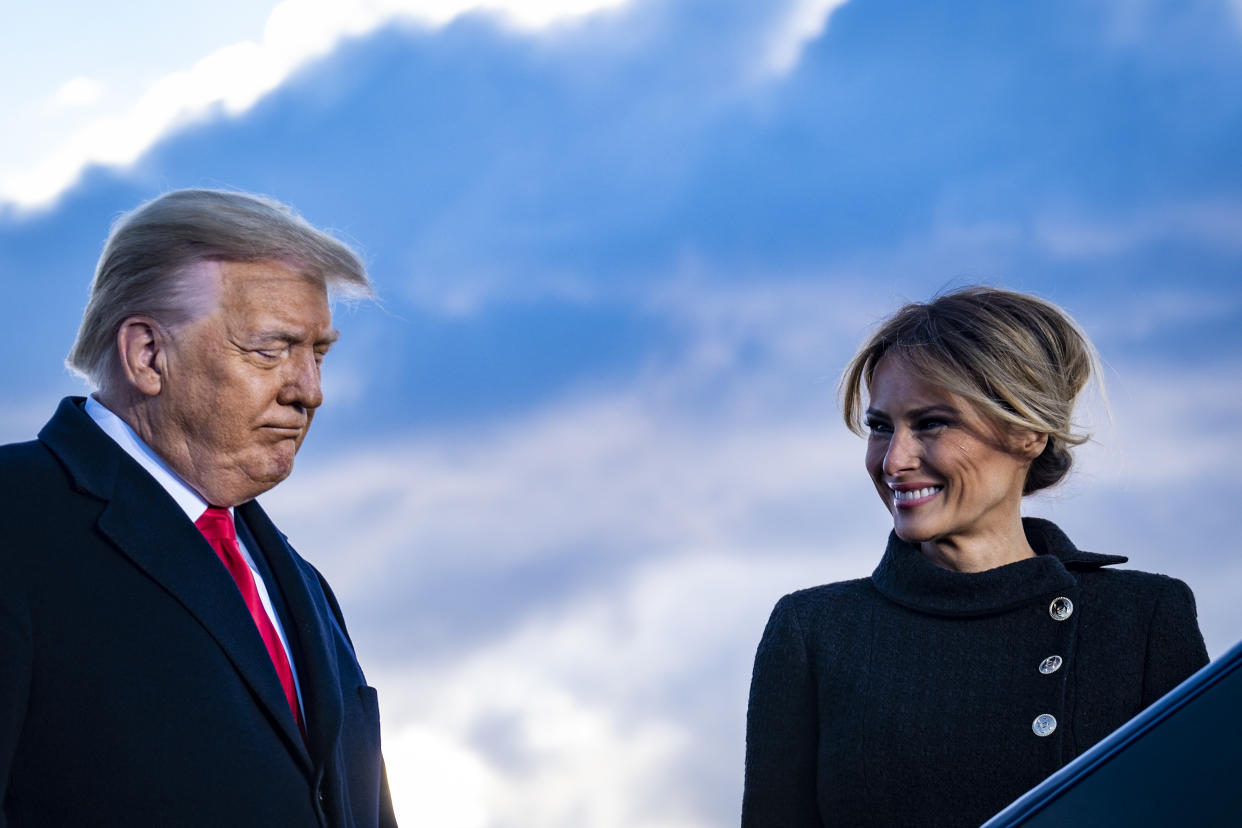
<point>22,417</point>
<point>235,76</point>
<point>708,449</point>
<point>434,778</point>
<point>76,92</point>
<point>805,22</point>
<point>576,476</point>
<point>671,446</point>
<point>621,701</point>
<point>593,711</point>
<point>1172,429</point>
<point>1160,312</point>
<point>1207,224</point>
<point>568,719</point>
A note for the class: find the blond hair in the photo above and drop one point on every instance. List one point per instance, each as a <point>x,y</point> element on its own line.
<point>1022,360</point>
<point>151,251</point>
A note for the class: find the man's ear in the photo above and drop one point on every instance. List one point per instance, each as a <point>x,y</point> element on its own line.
<point>142,348</point>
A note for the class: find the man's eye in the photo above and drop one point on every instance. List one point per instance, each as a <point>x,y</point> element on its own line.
<point>268,354</point>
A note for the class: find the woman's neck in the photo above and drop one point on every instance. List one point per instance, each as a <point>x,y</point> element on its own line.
<point>978,551</point>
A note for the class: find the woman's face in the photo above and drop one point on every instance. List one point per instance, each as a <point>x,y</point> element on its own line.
<point>944,471</point>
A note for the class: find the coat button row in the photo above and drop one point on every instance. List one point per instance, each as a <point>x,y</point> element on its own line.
<point>1060,609</point>
<point>1044,724</point>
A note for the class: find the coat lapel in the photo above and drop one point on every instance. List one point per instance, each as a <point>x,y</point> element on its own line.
<point>149,528</point>
<point>311,637</point>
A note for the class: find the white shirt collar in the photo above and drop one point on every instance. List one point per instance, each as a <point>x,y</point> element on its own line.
<point>187,499</point>
<point>119,430</point>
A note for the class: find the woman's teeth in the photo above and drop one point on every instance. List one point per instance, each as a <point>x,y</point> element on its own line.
<point>903,497</point>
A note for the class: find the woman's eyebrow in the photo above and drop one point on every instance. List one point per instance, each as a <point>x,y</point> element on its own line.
<point>938,408</point>
<point>916,413</point>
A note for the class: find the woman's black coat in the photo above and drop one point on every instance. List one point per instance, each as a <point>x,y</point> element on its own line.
<point>926,697</point>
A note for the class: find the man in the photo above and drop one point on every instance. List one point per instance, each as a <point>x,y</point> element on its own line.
<point>166,658</point>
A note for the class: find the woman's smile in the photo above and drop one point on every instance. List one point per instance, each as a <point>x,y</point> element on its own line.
<point>951,478</point>
<point>910,497</point>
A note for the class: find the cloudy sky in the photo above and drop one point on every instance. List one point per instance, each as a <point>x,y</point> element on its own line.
<point>625,247</point>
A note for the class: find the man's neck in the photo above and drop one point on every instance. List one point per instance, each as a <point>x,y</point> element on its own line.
<point>125,436</point>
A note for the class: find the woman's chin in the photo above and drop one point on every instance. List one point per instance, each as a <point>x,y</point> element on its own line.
<point>911,532</point>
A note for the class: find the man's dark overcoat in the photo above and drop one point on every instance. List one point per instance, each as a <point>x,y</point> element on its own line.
<point>925,697</point>
<point>134,687</point>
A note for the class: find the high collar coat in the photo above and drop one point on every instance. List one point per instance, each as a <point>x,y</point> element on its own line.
<point>921,696</point>
<point>134,687</point>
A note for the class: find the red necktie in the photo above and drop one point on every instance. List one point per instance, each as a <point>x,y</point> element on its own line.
<point>216,524</point>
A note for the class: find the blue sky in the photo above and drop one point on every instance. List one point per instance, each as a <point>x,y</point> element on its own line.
<point>588,436</point>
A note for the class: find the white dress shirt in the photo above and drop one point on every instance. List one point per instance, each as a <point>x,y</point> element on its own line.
<point>189,500</point>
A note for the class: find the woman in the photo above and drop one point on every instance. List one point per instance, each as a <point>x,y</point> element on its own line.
<point>985,651</point>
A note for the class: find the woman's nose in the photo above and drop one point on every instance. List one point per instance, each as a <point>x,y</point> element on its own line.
<point>902,454</point>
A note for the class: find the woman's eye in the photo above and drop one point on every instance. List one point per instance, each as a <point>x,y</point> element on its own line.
<point>877,427</point>
<point>932,425</point>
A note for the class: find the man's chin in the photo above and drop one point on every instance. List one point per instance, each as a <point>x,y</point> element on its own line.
<point>276,473</point>
<point>256,482</point>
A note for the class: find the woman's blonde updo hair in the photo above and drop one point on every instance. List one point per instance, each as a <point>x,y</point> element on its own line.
<point>1020,359</point>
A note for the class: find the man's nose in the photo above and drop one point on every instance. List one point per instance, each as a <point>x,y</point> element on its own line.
<point>301,381</point>
<point>902,454</point>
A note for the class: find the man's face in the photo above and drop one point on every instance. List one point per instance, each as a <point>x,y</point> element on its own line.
<point>241,383</point>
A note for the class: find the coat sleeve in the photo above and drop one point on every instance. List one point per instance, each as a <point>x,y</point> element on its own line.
<point>15,667</point>
<point>782,729</point>
<point>1175,646</point>
<point>387,815</point>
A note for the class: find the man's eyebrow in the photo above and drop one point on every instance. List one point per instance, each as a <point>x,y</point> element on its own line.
<point>291,337</point>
